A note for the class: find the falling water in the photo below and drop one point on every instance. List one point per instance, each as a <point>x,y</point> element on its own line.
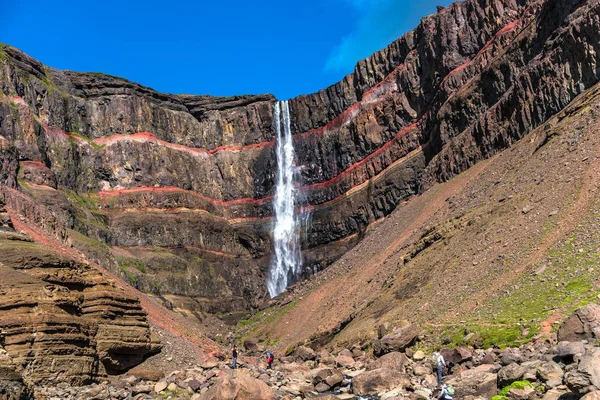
<point>286,264</point>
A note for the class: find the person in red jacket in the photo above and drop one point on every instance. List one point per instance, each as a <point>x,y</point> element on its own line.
<point>269,361</point>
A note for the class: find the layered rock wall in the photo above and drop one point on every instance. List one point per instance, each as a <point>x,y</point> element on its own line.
<point>62,321</point>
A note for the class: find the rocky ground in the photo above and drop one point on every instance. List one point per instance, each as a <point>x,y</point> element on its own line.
<point>396,366</point>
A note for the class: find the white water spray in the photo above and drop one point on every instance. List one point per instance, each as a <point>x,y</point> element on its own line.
<point>287,263</point>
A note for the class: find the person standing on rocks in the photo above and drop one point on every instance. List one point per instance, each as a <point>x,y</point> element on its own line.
<point>438,364</point>
<point>234,356</point>
<point>269,361</point>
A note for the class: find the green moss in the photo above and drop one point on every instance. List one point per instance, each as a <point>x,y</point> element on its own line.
<point>515,385</point>
<point>96,146</point>
<point>126,263</point>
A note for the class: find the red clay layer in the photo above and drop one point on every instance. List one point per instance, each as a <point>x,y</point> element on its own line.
<point>150,137</point>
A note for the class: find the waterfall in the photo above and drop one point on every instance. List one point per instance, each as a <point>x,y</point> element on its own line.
<point>286,263</point>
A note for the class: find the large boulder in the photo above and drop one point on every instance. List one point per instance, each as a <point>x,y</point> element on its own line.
<point>251,344</point>
<point>568,350</point>
<point>305,353</point>
<point>509,374</point>
<point>476,382</point>
<point>583,324</point>
<point>398,340</point>
<point>237,385</point>
<point>586,377</point>
<point>457,356</point>
<point>394,360</point>
<point>379,380</point>
<point>327,375</point>
<point>344,359</point>
<point>549,370</point>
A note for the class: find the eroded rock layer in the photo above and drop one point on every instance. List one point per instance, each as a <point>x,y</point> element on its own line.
<point>62,321</point>
<point>177,190</point>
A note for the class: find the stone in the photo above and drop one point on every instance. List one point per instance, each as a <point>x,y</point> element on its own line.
<point>334,379</point>
<point>305,353</point>
<point>172,387</point>
<point>322,387</point>
<point>236,385</point>
<point>210,363</point>
<point>509,374</point>
<point>418,355</point>
<point>251,344</point>
<point>457,355</point>
<point>568,350</point>
<point>586,377</point>
<point>394,360</point>
<point>379,380</point>
<point>344,360</point>
<point>160,386</point>
<point>549,370</point>
<point>475,382</point>
<point>398,340</point>
<point>583,324</point>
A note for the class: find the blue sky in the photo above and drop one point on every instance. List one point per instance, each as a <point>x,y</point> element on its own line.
<point>224,47</point>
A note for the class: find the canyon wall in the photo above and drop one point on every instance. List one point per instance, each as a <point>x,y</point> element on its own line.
<point>175,191</point>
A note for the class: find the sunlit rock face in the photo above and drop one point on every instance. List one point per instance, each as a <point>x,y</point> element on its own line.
<point>177,191</point>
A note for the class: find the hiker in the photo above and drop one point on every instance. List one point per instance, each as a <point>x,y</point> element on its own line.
<point>234,356</point>
<point>438,364</point>
<point>269,361</point>
<point>447,393</point>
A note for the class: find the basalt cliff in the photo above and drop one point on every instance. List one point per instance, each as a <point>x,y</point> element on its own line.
<point>174,192</point>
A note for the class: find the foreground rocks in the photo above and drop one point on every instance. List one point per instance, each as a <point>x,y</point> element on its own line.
<point>544,370</point>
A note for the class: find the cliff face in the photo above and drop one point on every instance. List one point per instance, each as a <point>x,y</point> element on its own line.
<point>175,191</point>
<point>61,320</point>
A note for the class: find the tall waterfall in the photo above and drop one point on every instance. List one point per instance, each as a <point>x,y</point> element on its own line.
<point>287,263</point>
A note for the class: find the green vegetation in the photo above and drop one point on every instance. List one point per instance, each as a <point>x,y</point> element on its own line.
<point>564,281</point>
<point>515,385</point>
<point>84,201</point>
<point>265,318</point>
<point>126,263</point>
<point>96,146</point>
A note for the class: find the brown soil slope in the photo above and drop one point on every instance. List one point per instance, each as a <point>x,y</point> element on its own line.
<point>496,250</point>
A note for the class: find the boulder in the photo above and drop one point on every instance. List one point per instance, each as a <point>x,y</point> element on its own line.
<point>586,377</point>
<point>251,344</point>
<point>322,387</point>
<point>475,382</point>
<point>418,356</point>
<point>510,356</point>
<point>236,385</point>
<point>379,380</point>
<point>509,374</point>
<point>394,360</point>
<point>325,374</point>
<point>160,386</point>
<point>325,357</point>
<point>549,370</point>
<point>344,359</point>
<point>457,356</point>
<point>305,353</point>
<point>568,350</point>
<point>583,324</point>
<point>398,340</point>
